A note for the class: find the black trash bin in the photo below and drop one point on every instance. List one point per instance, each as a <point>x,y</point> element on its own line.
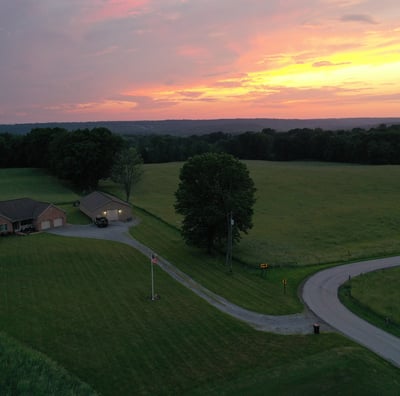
<point>316,328</point>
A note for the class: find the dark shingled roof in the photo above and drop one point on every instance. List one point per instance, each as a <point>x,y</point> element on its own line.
<point>22,209</point>
<point>98,199</point>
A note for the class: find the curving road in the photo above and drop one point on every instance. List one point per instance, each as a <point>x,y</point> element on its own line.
<point>321,296</point>
<point>319,293</point>
<point>301,323</point>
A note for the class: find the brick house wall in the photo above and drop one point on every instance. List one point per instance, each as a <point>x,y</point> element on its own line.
<point>6,226</point>
<point>49,215</point>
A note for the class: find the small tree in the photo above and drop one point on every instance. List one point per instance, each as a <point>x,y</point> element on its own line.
<point>213,187</point>
<point>127,170</point>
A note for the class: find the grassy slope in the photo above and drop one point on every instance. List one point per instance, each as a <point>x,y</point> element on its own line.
<point>306,213</point>
<point>85,304</point>
<point>73,311</point>
<point>36,184</point>
<point>375,296</point>
<point>27,372</point>
<point>33,183</point>
<point>247,287</point>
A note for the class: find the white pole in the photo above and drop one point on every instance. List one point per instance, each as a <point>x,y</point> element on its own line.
<point>152,275</point>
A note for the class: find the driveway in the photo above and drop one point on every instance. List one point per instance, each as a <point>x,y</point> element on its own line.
<point>301,323</point>
<point>321,296</point>
<point>319,293</point>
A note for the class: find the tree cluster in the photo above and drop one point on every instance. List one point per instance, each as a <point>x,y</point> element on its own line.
<point>379,145</point>
<point>82,157</point>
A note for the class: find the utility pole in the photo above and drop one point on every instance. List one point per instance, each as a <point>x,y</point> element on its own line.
<point>229,242</point>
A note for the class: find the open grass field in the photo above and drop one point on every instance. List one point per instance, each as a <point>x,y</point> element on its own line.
<point>306,213</point>
<point>375,297</point>
<point>247,287</point>
<point>36,184</point>
<point>84,303</point>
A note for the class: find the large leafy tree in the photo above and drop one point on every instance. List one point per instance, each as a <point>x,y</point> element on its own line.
<point>213,187</point>
<point>127,169</point>
<point>84,156</point>
<point>37,146</point>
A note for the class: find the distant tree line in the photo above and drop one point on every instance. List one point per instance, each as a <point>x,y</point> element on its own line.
<point>82,157</point>
<point>85,156</point>
<point>379,145</point>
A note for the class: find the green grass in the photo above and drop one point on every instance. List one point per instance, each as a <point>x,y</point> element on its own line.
<point>248,287</point>
<point>374,296</point>
<point>27,372</point>
<point>36,184</point>
<point>306,213</point>
<point>84,303</point>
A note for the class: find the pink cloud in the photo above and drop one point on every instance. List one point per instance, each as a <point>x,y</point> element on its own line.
<point>114,9</point>
<point>329,64</point>
<point>194,52</point>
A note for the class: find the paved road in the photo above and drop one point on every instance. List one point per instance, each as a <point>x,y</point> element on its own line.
<point>320,294</point>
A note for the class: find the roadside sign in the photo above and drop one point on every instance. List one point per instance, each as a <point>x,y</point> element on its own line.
<point>284,282</point>
<point>263,266</point>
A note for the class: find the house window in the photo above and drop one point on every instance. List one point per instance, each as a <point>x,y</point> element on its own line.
<point>3,227</point>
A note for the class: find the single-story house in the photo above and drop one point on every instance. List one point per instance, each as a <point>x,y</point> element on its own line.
<point>25,214</point>
<point>100,204</point>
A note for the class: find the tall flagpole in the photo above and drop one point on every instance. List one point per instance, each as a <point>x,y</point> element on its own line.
<point>153,261</point>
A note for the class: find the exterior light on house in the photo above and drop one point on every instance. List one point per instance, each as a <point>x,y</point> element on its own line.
<point>119,211</point>
<point>104,213</point>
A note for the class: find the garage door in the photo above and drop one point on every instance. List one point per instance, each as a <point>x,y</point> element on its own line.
<point>45,225</point>
<point>112,215</point>
<point>58,222</point>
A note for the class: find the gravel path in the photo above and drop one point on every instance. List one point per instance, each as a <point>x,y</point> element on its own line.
<point>319,293</point>
<point>301,323</point>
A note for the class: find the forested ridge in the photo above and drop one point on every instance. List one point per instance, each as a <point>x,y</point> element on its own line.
<point>379,145</point>
<point>62,151</point>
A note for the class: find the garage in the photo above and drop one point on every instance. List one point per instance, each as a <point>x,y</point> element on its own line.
<point>112,215</point>
<point>101,204</point>
<point>44,225</point>
<point>58,222</point>
<point>27,215</point>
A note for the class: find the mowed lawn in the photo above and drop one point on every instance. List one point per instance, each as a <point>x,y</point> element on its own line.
<point>85,304</point>
<point>37,184</point>
<point>375,297</point>
<point>254,289</point>
<point>306,213</point>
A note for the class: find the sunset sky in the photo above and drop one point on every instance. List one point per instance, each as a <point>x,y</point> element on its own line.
<point>90,60</point>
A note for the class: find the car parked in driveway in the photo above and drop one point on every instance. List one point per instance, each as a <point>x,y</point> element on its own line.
<point>101,222</point>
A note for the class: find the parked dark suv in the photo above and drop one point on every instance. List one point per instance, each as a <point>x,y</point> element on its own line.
<point>101,221</point>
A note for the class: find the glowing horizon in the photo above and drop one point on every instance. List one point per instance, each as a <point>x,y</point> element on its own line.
<point>137,60</point>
